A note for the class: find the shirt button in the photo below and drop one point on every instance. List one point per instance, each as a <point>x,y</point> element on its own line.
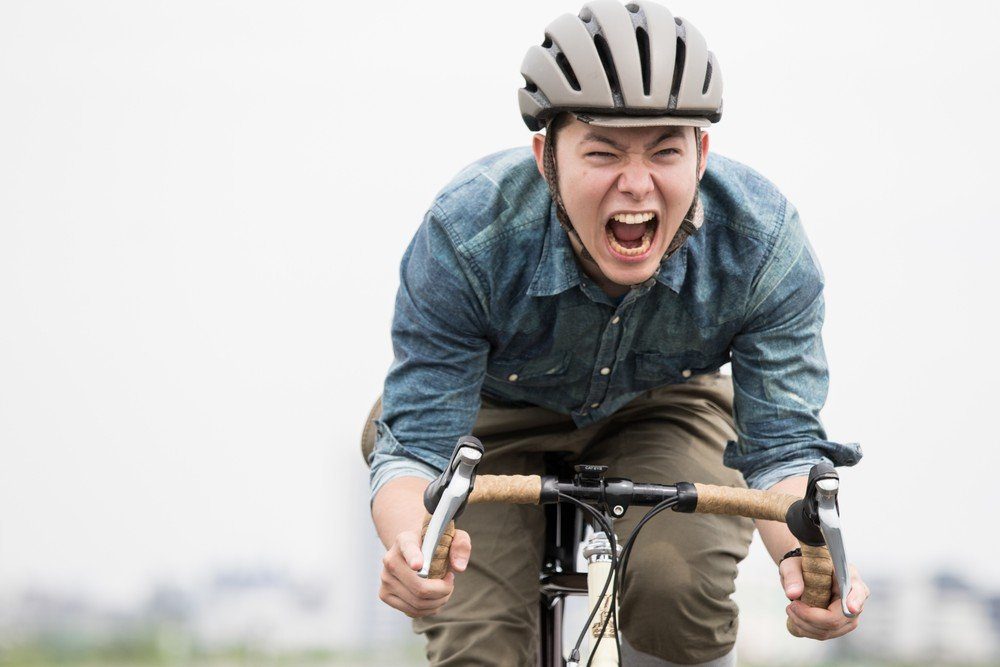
<point>686,372</point>
<point>595,405</point>
<point>605,371</point>
<point>615,319</point>
<point>512,377</point>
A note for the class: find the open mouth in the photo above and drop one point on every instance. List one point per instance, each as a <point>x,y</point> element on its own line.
<point>630,235</point>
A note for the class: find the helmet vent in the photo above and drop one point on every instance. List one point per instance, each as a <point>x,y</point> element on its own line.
<point>675,86</point>
<point>530,86</point>
<point>642,41</point>
<point>567,70</point>
<point>604,51</point>
<point>708,77</point>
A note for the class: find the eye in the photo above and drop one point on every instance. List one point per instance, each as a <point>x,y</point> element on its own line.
<point>600,154</point>
<point>669,151</point>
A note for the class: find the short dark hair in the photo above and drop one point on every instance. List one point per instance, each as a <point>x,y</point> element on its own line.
<point>561,120</point>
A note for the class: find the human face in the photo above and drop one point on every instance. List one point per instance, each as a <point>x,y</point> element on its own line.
<point>626,191</point>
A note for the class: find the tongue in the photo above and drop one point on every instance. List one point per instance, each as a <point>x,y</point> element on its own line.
<point>626,232</point>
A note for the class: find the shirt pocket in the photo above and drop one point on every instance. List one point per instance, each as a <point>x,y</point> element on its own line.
<point>661,368</point>
<point>546,371</point>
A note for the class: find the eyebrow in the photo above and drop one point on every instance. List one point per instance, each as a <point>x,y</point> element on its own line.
<point>671,132</point>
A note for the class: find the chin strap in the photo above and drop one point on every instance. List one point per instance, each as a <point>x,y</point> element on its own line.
<point>691,223</point>
<point>552,179</point>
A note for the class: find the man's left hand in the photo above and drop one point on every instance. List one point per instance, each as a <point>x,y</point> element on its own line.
<point>816,622</point>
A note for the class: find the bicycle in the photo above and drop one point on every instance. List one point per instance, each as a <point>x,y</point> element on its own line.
<point>814,520</point>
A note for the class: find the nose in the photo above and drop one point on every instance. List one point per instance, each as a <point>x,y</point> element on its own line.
<point>636,180</point>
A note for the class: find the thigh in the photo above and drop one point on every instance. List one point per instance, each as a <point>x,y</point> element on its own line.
<point>676,598</point>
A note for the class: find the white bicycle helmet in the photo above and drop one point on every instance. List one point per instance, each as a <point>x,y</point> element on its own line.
<point>619,65</point>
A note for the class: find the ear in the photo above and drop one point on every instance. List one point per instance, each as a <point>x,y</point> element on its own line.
<point>704,154</point>
<point>538,148</point>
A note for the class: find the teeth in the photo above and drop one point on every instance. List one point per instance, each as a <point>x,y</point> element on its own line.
<point>633,218</point>
<point>647,240</point>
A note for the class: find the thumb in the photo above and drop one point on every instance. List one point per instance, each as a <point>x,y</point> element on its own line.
<point>461,549</point>
<point>791,578</point>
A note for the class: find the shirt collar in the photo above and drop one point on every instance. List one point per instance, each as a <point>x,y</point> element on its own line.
<point>673,269</point>
<point>556,271</point>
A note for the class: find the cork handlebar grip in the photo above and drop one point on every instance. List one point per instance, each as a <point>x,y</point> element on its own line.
<point>817,567</point>
<point>439,563</point>
<point>751,503</point>
<point>817,574</point>
<point>513,489</point>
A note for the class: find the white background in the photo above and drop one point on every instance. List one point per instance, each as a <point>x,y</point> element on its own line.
<point>203,207</point>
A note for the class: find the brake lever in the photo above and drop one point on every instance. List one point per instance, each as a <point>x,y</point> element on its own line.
<point>445,497</point>
<point>829,525</point>
<point>815,520</point>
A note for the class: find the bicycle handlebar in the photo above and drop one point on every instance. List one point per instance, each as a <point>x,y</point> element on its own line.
<point>817,565</point>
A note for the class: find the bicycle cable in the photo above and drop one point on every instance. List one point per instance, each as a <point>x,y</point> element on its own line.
<point>626,552</point>
<point>574,656</point>
<point>627,549</point>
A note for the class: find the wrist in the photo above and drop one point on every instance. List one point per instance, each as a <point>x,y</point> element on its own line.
<point>398,507</point>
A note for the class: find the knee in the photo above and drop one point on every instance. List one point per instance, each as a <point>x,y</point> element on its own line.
<point>679,613</point>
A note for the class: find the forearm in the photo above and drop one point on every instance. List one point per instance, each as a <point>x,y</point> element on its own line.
<point>399,506</point>
<point>776,537</point>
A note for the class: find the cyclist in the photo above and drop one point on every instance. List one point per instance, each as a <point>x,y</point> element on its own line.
<point>580,297</point>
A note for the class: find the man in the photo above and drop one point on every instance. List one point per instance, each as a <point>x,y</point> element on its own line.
<point>581,298</point>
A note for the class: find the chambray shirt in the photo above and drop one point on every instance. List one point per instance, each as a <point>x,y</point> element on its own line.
<point>492,301</point>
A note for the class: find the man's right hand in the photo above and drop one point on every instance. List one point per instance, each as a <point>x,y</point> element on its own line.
<point>398,512</point>
<point>403,589</point>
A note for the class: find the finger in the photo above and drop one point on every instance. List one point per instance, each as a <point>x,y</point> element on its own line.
<point>398,603</point>
<point>859,595</point>
<point>790,570</point>
<point>425,589</point>
<point>805,628</point>
<point>395,567</point>
<point>388,596</point>
<point>461,550</point>
<point>798,629</point>
<point>395,562</point>
<point>409,546</point>
<point>419,599</point>
<point>802,629</point>
<point>859,592</point>
<point>817,619</point>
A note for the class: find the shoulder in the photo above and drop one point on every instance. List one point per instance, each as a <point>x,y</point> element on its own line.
<point>739,198</point>
<point>493,197</point>
<point>750,232</point>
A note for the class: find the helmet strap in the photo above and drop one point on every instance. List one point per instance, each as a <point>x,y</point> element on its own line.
<point>552,178</point>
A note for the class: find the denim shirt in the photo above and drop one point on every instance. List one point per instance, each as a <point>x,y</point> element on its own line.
<point>491,301</point>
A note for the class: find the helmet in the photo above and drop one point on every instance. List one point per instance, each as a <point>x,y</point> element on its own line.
<point>621,66</point>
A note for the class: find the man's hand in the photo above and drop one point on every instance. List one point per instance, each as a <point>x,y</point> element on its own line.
<point>814,622</point>
<point>403,589</point>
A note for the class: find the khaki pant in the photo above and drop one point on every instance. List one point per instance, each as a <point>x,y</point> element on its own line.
<point>675,600</point>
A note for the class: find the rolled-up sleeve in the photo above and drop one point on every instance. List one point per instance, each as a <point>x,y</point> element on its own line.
<point>780,373</point>
<point>440,348</point>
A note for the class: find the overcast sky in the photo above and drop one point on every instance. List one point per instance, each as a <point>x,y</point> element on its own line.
<point>203,207</point>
